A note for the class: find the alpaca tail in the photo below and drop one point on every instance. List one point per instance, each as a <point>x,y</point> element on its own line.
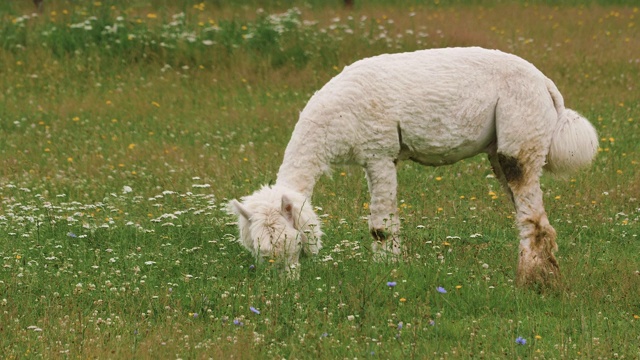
<point>575,141</point>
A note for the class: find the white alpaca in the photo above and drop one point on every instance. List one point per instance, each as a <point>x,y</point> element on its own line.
<point>434,107</point>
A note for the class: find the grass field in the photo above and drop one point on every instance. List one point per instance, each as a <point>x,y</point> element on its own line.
<point>127,125</point>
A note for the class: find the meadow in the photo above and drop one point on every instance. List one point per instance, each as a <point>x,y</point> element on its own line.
<point>126,126</point>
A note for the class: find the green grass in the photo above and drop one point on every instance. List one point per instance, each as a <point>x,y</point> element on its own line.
<point>119,150</point>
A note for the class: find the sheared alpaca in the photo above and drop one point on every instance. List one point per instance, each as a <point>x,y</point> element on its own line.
<point>434,107</point>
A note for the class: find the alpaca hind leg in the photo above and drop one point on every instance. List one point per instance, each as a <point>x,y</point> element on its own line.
<point>497,170</point>
<point>537,263</point>
<point>383,221</point>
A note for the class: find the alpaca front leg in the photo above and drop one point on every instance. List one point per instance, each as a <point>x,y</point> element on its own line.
<point>384,223</point>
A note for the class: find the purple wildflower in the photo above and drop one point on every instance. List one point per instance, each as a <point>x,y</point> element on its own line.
<point>441,290</point>
<point>391,283</point>
<point>237,322</point>
<point>254,310</point>
<point>521,341</point>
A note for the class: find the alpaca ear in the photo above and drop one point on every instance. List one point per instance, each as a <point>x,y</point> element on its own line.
<point>240,209</point>
<point>287,208</point>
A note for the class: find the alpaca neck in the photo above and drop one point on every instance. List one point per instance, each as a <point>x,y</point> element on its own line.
<point>304,162</point>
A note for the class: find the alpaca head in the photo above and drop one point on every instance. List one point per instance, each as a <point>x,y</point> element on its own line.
<point>277,223</point>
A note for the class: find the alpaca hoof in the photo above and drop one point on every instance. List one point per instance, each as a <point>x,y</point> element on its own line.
<point>538,269</point>
<point>547,277</point>
<point>385,257</point>
<point>386,252</point>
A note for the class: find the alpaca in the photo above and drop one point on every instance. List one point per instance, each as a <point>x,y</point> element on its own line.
<point>434,107</point>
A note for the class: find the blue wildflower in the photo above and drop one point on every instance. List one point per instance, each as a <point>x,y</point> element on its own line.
<point>441,290</point>
<point>391,283</point>
<point>254,310</point>
<point>521,341</point>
